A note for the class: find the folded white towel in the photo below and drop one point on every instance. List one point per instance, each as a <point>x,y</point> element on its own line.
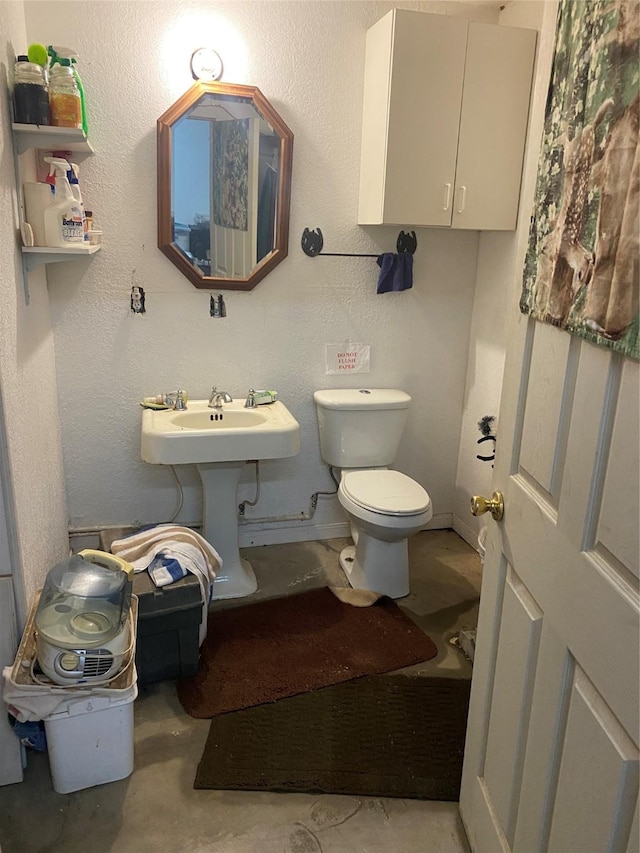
<point>191,550</point>
<point>28,705</point>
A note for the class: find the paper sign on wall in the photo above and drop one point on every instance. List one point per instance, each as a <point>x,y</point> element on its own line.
<point>347,358</point>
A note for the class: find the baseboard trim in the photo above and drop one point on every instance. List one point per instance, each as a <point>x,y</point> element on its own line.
<point>281,534</point>
<point>268,533</point>
<point>441,521</point>
<point>249,536</point>
<point>465,532</point>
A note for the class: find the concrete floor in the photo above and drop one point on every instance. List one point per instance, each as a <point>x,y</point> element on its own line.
<point>156,808</point>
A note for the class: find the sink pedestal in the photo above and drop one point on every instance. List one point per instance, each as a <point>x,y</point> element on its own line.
<point>220,527</point>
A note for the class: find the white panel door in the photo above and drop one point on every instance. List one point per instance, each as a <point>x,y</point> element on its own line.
<point>551,759</point>
<point>552,746</point>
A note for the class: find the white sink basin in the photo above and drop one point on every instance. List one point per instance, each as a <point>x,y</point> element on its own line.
<point>229,434</point>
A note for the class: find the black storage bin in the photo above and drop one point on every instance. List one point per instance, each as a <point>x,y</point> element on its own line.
<point>168,628</point>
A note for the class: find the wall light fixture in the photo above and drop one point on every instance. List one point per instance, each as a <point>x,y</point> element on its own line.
<point>206,64</point>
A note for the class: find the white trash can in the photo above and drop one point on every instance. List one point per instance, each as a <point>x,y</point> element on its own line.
<point>90,740</point>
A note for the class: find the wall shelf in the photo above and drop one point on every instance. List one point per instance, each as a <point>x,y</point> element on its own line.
<point>48,138</point>
<point>32,256</point>
<point>45,138</point>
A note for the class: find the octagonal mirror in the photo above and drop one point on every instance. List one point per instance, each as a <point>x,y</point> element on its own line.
<point>224,185</point>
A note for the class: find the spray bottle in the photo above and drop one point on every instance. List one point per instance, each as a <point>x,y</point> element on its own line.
<point>67,56</point>
<point>72,177</point>
<point>63,218</point>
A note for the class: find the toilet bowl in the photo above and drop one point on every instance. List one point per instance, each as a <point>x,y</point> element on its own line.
<point>384,507</point>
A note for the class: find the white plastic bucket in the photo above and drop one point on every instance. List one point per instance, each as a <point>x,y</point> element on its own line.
<point>90,740</point>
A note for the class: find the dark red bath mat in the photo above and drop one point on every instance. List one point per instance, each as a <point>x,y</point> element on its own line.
<point>266,651</point>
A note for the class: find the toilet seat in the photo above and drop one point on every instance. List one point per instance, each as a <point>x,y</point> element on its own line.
<point>385,492</point>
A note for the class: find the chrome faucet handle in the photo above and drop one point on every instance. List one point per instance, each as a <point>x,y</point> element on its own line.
<point>251,399</point>
<point>180,404</point>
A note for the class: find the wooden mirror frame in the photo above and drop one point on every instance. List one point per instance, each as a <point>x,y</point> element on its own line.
<point>165,229</point>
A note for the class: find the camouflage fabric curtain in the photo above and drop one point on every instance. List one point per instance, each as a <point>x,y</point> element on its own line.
<point>582,266</point>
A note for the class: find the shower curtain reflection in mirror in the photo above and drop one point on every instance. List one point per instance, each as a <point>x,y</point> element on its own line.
<point>224,188</point>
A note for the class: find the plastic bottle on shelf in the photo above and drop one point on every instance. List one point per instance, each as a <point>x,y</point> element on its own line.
<point>64,96</point>
<point>37,198</point>
<point>72,177</point>
<point>30,93</point>
<point>63,218</point>
<point>67,57</point>
<point>82,98</point>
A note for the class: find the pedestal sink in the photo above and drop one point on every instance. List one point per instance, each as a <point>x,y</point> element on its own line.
<point>220,442</point>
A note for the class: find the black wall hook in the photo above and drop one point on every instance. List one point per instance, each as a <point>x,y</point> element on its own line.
<point>407,243</point>
<point>313,241</point>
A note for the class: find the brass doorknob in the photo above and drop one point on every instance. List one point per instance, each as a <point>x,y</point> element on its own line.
<point>494,505</point>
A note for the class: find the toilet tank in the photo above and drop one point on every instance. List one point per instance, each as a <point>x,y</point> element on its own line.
<point>360,427</point>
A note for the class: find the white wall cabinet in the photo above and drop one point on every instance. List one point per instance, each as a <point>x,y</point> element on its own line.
<point>445,111</point>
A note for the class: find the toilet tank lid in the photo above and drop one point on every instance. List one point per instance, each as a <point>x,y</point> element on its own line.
<point>362,398</point>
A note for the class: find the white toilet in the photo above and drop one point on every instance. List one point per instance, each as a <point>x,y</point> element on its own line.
<point>360,432</point>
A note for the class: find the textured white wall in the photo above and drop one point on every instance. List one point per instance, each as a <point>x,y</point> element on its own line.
<point>497,287</point>
<point>32,463</point>
<point>307,58</point>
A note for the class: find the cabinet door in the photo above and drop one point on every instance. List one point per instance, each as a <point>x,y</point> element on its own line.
<point>493,124</point>
<point>413,94</point>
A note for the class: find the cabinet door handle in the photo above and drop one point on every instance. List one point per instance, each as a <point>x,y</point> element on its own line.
<point>463,198</point>
<point>447,196</point>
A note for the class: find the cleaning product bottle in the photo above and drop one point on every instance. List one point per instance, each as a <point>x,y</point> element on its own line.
<point>63,219</point>
<point>85,126</point>
<point>67,58</point>
<point>30,92</point>
<point>64,97</point>
<point>37,198</point>
<point>72,177</point>
<point>51,177</point>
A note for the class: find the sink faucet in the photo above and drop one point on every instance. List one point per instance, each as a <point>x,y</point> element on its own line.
<point>251,400</point>
<point>217,398</point>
